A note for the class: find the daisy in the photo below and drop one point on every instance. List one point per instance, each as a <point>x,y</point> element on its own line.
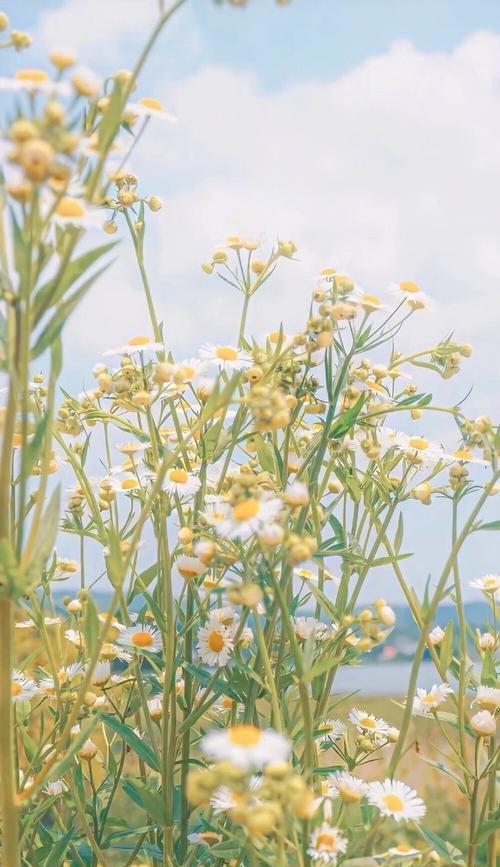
<point>75,637</point>
<point>425,701</point>
<point>179,481</point>
<point>326,843</point>
<point>488,584</point>
<point>227,358</point>
<point>147,107</point>
<point>402,850</point>
<point>136,344</point>
<point>215,645</point>
<point>101,673</point>
<point>65,676</point>
<point>367,723</point>
<point>141,637</point>
<point>344,785</point>
<point>189,369</point>
<point>114,651</point>
<point>488,697</point>
<point>411,293</point>
<point>190,567</point>
<point>307,627</point>
<point>369,303</point>
<point>436,635</point>
<point>71,212</point>
<point>420,448</point>
<point>22,688</point>
<point>465,456</point>
<point>56,787</point>
<point>248,516</point>
<point>483,724</point>
<point>246,746</point>
<point>396,799</point>
<point>329,730</point>
<point>33,81</point>
<point>224,799</point>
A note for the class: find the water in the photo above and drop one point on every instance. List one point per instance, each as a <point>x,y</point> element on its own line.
<point>383,678</point>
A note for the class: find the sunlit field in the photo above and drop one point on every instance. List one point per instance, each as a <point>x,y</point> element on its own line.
<point>190,544</point>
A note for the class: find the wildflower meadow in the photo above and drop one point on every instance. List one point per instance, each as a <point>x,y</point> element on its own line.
<point>235,506</point>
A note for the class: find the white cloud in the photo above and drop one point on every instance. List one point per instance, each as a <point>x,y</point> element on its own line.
<point>389,172</point>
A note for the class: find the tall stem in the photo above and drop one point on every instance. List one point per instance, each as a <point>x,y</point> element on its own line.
<point>10,831</point>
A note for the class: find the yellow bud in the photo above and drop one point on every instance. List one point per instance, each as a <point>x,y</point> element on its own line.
<point>4,21</point>
<point>258,267</point>
<point>61,60</point>
<point>110,226</point>
<point>219,256</point>
<point>185,535</point>
<point>155,203</point>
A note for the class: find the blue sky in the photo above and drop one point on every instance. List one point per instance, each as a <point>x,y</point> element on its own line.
<point>366,130</point>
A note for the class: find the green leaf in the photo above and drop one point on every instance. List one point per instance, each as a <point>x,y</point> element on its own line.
<point>58,852</point>
<point>487,829</point>
<point>449,852</point>
<point>348,418</point>
<point>44,542</point>
<point>9,568</point>
<point>492,525</point>
<point>91,627</point>
<point>134,741</point>
<point>151,801</point>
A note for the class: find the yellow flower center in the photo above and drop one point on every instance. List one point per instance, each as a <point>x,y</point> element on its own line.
<point>151,102</point>
<point>462,455</point>
<point>245,735</point>
<point>129,484</point>
<point>274,336</point>
<point>327,272</point>
<point>226,353</point>
<point>187,372</point>
<point>210,837</point>
<point>490,583</point>
<point>227,703</point>
<point>215,641</point>
<point>409,286</point>
<point>393,803</point>
<point>69,207</point>
<point>37,76</point>
<point>188,570</point>
<point>325,842</point>
<point>142,639</point>
<point>367,722</point>
<point>138,341</point>
<point>430,698</point>
<point>370,299</point>
<point>418,443</point>
<point>402,848</point>
<point>246,509</point>
<point>349,795</point>
<point>179,476</point>
<point>16,688</point>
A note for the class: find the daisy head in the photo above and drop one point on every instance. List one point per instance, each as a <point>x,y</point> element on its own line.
<point>215,644</point>
<point>227,358</point>
<point>141,637</point>
<point>488,697</point>
<point>190,567</point>
<point>329,730</point>
<point>346,786</point>
<point>396,799</point>
<point>424,702</point>
<point>249,515</point>
<point>70,211</point>
<point>368,724</point>
<point>22,688</point>
<point>326,844</point>
<point>411,293</point>
<point>148,106</point>
<point>179,481</point>
<point>246,746</point>
<point>134,345</point>
<point>488,584</point>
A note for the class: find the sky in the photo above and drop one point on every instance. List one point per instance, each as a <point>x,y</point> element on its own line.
<point>366,130</point>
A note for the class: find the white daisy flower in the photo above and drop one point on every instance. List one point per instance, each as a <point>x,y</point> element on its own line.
<point>412,294</point>
<point>148,106</point>
<point>248,516</point>
<point>369,303</point>
<point>396,799</point>
<point>188,369</point>
<point>367,723</point>
<point>346,786</point>
<point>326,843</point>
<point>464,456</point>
<point>136,344</point>
<point>306,627</point>
<point>225,616</point>
<point>141,637</point>
<point>483,724</point>
<point>401,851</point>
<point>179,481</point>
<point>488,584</point>
<point>420,448</point>
<point>426,701</point>
<point>215,645</point>
<point>70,211</point>
<point>190,567</point>
<point>55,787</point>
<point>65,677</point>
<point>224,799</point>
<point>436,635</point>
<point>488,697</point>
<point>329,730</point>
<point>22,688</point>
<point>75,637</point>
<point>34,81</point>
<point>227,358</point>
<point>246,746</point>
<point>101,673</point>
